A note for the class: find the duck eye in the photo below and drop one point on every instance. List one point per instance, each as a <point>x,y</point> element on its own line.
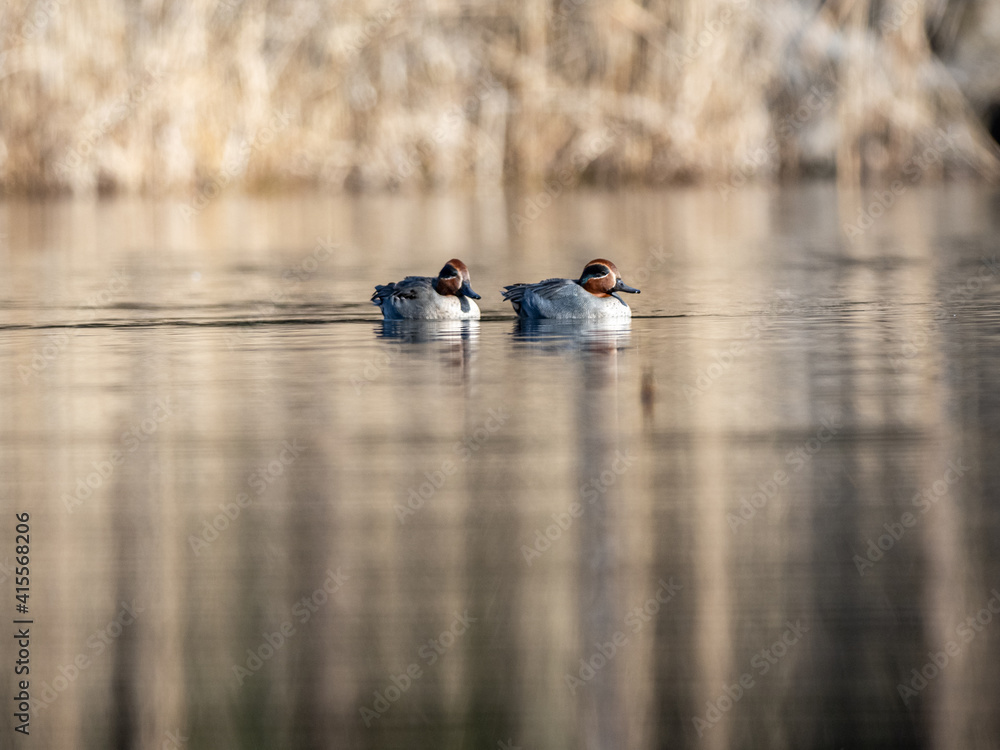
<point>596,271</point>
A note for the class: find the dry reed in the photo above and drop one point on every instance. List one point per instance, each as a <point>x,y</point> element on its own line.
<point>199,96</point>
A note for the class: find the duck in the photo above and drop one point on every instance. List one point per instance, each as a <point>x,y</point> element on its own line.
<point>445,297</point>
<point>593,295</point>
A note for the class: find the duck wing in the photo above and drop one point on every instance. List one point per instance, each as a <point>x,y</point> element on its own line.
<point>548,289</point>
<point>411,287</point>
<point>542,298</point>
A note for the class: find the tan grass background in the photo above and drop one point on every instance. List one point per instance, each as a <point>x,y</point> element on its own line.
<point>209,95</point>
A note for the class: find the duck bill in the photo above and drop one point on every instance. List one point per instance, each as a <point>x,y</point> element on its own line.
<point>621,286</point>
<point>466,291</point>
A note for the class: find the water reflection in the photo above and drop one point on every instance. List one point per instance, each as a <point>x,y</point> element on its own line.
<point>450,344</point>
<point>430,330</point>
<point>604,455</point>
<point>685,531</point>
<point>588,335</point>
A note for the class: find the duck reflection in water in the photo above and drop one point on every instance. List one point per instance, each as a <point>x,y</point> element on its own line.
<point>451,344</point>
<point>592,335</point>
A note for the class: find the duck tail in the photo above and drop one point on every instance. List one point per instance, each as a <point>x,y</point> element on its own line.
<point>382,293</point>
<point>515,294</point>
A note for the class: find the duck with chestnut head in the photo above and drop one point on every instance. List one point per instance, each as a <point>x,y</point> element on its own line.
<point>448,296</point>
<point>593,295</point>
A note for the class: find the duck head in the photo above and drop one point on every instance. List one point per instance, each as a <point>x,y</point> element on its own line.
<point>454,279</point>
<point>600,278</point>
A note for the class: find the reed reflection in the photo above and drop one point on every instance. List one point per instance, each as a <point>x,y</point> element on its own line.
<point>604,456</point>
<point>548,535</point>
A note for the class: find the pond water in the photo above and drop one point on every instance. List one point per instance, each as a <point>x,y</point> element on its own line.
<point>762,514</point>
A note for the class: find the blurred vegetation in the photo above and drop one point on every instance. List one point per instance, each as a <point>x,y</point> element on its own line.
<point>200,95</point>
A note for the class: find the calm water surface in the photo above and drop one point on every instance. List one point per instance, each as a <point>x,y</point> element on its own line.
<point>764,514</point>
